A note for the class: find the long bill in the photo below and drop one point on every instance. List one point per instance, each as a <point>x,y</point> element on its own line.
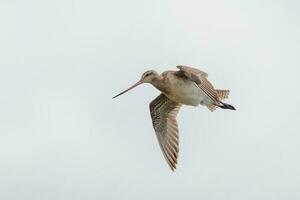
<point>138,83</point>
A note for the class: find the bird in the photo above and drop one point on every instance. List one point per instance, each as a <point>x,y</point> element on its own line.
<point>186,86</point>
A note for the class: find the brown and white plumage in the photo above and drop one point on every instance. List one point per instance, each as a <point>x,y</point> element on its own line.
<point>188,86</point>
<point>163,113</point>
<point>200,78</point>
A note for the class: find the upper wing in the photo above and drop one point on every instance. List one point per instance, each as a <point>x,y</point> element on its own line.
<point>163,113</point>
<point>191,70</point>
<point>200,78</point>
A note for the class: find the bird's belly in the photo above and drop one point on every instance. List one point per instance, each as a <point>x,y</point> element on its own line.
<point>188,94</point>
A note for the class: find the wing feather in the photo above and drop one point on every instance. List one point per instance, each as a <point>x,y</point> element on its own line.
<point>200,78</point>
<point>163,113</point>
<point>192,70</point>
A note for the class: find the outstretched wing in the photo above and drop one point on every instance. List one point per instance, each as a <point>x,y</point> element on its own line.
<point>200,78</point>
<point>163,113</point>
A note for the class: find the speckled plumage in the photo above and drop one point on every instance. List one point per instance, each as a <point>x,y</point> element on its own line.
<point>187,86</point>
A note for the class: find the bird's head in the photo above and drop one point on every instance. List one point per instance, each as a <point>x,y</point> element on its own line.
<point>147,77</point>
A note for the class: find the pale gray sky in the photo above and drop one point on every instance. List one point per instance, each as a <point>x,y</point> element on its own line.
<point>62,136</point>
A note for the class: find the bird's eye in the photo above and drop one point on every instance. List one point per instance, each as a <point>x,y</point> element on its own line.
<point>147,74</point>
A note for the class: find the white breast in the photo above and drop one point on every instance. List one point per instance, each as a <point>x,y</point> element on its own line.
<point>188,93</point>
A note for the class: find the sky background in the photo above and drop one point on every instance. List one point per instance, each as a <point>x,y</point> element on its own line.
<point>62,137</point>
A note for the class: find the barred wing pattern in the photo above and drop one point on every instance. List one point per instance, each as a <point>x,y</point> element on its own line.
<point>163,113</point>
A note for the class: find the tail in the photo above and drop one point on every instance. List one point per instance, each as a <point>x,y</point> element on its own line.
<point>226,106</point>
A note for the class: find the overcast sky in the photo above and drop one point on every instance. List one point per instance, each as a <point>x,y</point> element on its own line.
<point>62,137</point>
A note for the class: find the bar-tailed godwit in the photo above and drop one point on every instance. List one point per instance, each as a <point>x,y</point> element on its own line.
<point>187,86</point>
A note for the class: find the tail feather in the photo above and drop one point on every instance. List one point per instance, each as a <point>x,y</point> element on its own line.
<point>222,94</point>
<point>212,107</point>
<point>226,106</point>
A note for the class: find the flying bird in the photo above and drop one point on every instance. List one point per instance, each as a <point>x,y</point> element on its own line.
<point>186,86</point>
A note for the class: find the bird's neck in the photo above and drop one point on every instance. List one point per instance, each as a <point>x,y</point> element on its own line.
<point>158,82</point>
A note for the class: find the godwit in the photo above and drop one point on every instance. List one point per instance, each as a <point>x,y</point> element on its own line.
<point>188,86</point>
